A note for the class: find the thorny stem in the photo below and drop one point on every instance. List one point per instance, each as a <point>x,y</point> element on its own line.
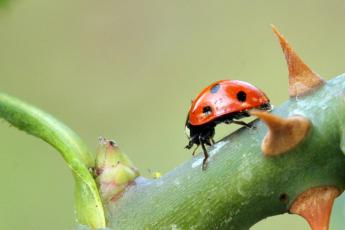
<point>241,186</point>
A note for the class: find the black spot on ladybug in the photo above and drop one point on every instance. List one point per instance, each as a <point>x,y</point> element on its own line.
<point>241,96</point>
<point>215,88</point>
<point>207,110</point>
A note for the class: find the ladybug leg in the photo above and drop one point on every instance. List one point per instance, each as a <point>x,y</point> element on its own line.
<point>204,162</point>
<point>207,141</point>
<point>190,143</point>
<point>244,124</point>
<point>196,148</point>
<point>212,141</point>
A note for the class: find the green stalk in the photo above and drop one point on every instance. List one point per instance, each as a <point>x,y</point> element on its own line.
<point>241,186</point>
<point>89,207</point>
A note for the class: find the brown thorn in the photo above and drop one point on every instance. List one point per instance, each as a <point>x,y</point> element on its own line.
<point>315,205</point>
<point>302,80</point>
<point>284,133</point>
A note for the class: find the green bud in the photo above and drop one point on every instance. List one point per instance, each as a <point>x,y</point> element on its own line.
<point>114,170</point>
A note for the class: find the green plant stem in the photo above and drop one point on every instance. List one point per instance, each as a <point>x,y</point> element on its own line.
<point>241,186</point>
<point>33,121</point>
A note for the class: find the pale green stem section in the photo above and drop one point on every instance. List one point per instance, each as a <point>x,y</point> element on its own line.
<point>34,121</point>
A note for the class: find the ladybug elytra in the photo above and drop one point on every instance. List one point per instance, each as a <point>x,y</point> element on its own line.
<point>224,101</point>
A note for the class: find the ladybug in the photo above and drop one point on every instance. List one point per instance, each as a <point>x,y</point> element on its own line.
<point>224,101</point>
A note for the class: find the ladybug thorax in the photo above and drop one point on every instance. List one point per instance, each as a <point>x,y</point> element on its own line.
<point>222,98</point>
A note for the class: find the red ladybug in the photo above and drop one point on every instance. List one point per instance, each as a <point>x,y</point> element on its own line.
<point>223,101</point>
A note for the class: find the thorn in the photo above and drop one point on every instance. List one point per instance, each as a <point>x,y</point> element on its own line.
<point>284,133</point>
<point>315,205</point>
<point>302,80</point>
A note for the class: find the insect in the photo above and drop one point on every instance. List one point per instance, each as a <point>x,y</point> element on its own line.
<point>224,101</point>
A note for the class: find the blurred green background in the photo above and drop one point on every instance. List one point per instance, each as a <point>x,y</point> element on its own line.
<point>128,70</point>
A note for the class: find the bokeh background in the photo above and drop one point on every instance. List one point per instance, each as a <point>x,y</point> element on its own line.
<point>128,70</point>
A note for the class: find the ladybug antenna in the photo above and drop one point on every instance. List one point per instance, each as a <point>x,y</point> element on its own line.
<point>302,80</point>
